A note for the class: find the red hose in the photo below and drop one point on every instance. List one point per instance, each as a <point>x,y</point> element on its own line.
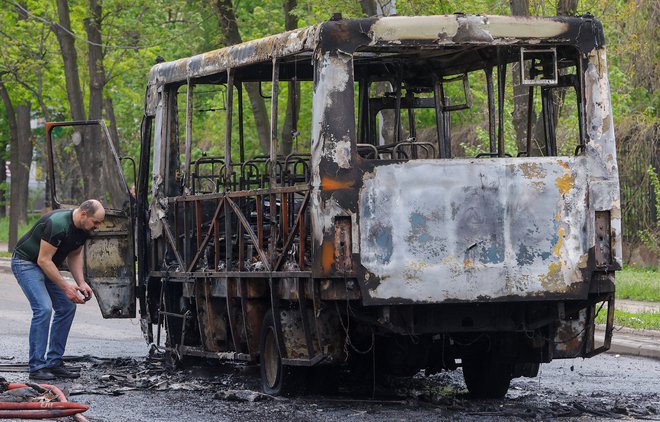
<point>43,410</point>
<point>37,414</point>
<point>44,405</point>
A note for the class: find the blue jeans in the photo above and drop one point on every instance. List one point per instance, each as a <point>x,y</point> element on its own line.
<point>46,300</point>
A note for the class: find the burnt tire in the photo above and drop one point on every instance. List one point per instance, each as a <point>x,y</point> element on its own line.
<point>486,378</point>
<point>276,378</point>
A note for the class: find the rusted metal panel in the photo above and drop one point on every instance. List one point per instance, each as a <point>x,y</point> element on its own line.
<point>342,244</point>
<point>211,317</point>
<point>107,255</point>
<point>570,337</point>
<point>435,231</point>
<point>603,249</point>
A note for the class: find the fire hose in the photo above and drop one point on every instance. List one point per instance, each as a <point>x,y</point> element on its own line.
<point>42,410</point>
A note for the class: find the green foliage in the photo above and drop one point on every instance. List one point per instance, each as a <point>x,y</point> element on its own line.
<point>638,284</point>
<point>650,237</point>
<point>22,229</point>
<point>135,32</point>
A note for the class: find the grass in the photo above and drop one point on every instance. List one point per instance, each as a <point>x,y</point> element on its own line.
<point>647,321</point>
<point>638,284</point>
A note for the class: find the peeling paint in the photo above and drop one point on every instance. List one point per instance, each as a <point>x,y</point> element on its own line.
<point>458,238</point>
<point>565,183</point>
<point>467,28</point>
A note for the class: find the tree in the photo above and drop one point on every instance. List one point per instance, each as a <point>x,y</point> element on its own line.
<point>24,53</point>
<point>224,11</point>
<point>293,102</point>
<point>21,158</point>
<point>93,150</point>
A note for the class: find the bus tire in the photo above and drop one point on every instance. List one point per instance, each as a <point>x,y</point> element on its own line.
<point>486,378</point>
<point>276,378</point>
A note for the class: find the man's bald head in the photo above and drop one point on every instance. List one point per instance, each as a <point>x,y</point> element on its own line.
<point>92,215</point>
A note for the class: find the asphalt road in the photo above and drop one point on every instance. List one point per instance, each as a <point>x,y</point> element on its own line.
<point>130,388</point>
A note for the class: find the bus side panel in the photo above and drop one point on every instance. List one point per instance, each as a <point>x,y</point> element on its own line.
<point>472,230</point>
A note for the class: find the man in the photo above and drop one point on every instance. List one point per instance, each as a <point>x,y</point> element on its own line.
<point>57,236</point>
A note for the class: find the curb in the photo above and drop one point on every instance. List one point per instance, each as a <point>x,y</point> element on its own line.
<point>626,341</point>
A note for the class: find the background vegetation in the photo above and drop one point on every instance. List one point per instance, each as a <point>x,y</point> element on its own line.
<point>77,59</point>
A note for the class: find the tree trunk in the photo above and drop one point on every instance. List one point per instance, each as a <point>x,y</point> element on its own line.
<point>11,121</point>
<point>94,182</point>
<point>73,90</point>
<point>289,129</point>
<point>21,159</point>
<point>110,171</point>
<point>567,7</point>
<point>70,59</point>
<point>224,11</point>
<point>520,92</point>
<point>369,7</point>
<point>109,113</point>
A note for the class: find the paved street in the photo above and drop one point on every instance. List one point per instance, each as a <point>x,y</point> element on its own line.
<point>608,386</point>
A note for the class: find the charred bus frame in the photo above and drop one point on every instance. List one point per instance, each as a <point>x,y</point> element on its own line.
<point>492,262</point>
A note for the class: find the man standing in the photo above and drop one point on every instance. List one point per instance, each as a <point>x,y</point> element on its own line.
<point>57,236</point>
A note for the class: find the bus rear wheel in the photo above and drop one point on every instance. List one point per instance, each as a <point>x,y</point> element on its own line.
<point>276,378</point>
<point>486,378</point>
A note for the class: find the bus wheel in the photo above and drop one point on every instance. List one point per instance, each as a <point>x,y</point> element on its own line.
<point>486,378</point>
<point>276,378</point>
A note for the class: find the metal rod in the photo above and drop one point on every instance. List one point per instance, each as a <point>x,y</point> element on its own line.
<point>501,79</point>
<point>189,113</point>
<point>530,119</point>
<point>273,122</point>
<point>491,108</point>
<point>439,116</point>
<point>241,135</point>
<point>201,246</point>
<point>228,123</point>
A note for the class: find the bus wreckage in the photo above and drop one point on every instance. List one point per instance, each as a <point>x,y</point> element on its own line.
<point>382,232</point>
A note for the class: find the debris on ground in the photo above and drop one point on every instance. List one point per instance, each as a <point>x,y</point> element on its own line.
<point>242,395</point>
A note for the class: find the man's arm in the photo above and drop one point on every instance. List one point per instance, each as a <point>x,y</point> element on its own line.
<point>45,262</point>
<point>75,261</point>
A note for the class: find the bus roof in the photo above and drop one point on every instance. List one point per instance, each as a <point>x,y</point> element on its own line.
<point>349,34</point>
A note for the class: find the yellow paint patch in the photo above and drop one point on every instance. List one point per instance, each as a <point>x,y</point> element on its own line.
<point>564,165</point>
<point>565,183</point>
<point>560,242</point>
<point>554,269</point>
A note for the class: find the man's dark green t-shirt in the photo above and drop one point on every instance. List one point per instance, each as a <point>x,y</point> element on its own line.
<point>56,228</point>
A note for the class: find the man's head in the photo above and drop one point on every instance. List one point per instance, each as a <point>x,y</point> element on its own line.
<point>91,215</point>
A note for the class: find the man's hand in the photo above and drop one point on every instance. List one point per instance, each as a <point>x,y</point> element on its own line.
<point>85,290</point>
<point>73,293</point>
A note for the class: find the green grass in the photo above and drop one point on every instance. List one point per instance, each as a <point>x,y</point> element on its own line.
<point>638,284</point>
<point>22,229</point>
<point>647,321</point>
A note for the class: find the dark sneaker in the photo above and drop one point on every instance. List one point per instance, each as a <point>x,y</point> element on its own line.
<point>43,374</point>
<point>62,371</point>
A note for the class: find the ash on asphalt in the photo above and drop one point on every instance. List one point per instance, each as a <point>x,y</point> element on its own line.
<point>150,389</point>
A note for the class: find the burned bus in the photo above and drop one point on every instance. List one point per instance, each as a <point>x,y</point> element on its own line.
<point>449,198</point>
